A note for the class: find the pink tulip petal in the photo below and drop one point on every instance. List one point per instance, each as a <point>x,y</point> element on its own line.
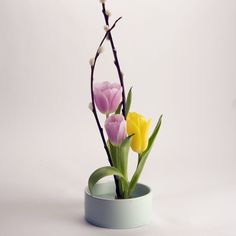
<point>105,86</point>
<point>122,132</point>
<point>101,101</point>
<point>115,85</point>
<point>112,130</point>
<point>102,86</point>
<point>107,96</point>
<point>116,100</point>
<point>115,126</point>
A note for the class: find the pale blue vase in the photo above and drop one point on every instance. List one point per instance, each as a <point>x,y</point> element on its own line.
<point>103,210</point>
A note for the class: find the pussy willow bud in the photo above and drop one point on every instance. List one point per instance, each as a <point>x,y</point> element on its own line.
<point>108,13</point>
<point>100,49</point>
<point>106,28</point>
<point>91,61</point>
<point>90,106</point>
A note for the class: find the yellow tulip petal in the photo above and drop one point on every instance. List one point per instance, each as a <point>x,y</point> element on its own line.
<point>132,128</point>
<point>138,125</point>
<point>145,131</point>
<point>132,116</point>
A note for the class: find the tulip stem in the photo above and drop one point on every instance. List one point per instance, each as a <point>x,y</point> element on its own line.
<point>118,191</point>
<point>116,61</point>
<point>139,159</point>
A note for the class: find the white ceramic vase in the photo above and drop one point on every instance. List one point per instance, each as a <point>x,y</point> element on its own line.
<point>103,210</point>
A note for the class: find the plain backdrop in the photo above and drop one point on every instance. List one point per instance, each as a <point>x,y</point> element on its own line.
<point>180,58</point>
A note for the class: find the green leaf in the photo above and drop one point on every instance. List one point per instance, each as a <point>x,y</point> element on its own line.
<point>123,163</point>
<point>128,101</point>
<point>118,109</point>
<point>152,139</point>
<point>119,155</point>
<point>114,153</point>
<point>123,155</point>
<point>143,157</point>
<point>103,172</point>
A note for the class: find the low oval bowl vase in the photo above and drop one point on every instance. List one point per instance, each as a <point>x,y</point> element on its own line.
<point>104,210</point>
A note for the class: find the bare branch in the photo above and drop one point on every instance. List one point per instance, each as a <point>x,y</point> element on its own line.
<point>116,61</point>
<point>93,64</point>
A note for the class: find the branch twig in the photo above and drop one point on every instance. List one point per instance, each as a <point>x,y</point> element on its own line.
<point>93,64</point>
<point>116,61</point>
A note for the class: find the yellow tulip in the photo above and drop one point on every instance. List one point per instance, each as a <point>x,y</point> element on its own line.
<point>139,126</point>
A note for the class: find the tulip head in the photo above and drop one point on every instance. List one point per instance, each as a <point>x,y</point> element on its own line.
<point>139,126</point>
<point>115,126</point>
<point>107,96</point>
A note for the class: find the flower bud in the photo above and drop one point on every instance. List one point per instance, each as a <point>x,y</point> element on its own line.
<point>108,13</point>
<point>139,126</point>
<point>107,96</point>
<point>106,28</point>
<point>100,49</point>
<point>90,106</point>
<point>91,62</point>
<point>115,126</point>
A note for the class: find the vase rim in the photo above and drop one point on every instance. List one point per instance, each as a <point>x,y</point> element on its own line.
<point>149,190</point>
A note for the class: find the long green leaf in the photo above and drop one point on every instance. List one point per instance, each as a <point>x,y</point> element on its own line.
<point>128,101</point>
<point>119,155</point>
<point>114,153</point>
<point>123,155</point>
<point>123,163</point>
<point>118,109</point>
<point>143,157</point>
<point>103,172</point>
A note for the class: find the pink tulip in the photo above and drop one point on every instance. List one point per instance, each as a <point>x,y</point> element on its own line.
<point>115,126</point>
<point>107,96</point>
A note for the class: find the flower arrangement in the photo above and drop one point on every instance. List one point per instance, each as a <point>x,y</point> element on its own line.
<point>124,129</point>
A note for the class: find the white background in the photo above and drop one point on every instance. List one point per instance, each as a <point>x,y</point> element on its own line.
<point>180,58</point>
